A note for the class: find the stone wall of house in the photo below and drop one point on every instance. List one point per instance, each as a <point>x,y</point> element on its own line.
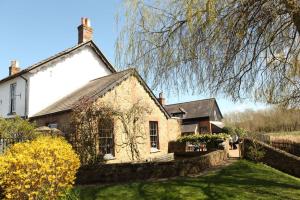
<point>123,172</point>
<point>123,97</point>
<point>273,157</point>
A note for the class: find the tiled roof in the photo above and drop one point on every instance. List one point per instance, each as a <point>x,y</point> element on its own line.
<point>193,109</point>
<point>63,53</point>
<point>95,89</point>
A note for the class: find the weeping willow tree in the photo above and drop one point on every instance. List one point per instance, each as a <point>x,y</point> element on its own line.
<point>239,48</point>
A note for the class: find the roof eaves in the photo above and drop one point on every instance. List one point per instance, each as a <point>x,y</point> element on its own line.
<point>49,114</point>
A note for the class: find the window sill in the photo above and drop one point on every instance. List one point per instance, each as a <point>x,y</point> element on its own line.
<point>108,157</point>
<point>11,114</point>
<point>154,150</point>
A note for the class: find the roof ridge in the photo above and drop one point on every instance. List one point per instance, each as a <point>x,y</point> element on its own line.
<point>59,54</point>
<point>213,98</point>
<point>56,54</point>
<point>119,72</point>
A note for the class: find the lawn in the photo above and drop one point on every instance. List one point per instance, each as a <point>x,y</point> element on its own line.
<point>241,180</point>
<point>294,133</point>
<point>292,136</point>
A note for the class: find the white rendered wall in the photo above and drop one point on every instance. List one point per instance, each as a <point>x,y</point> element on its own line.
<point>5,97</point>
<point>57,79</point>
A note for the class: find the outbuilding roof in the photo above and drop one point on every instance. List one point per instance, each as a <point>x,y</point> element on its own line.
<point>95,89</point>
<point>194,109</point>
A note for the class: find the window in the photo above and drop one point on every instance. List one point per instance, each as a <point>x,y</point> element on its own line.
<point>203,129</point>
<point>52,125</point>
<point>154,138</point>
<point>106,136</point>
<point>12,103</point>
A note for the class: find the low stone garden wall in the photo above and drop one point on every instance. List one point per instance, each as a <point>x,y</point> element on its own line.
<point>123,172</point>
<point>273,157</point>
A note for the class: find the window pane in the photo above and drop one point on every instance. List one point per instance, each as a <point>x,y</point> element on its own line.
<point>106,140</point>
<point>153,126</point>
<point>12,97</point>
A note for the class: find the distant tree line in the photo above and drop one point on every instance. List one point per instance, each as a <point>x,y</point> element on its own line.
<point>273,119</point>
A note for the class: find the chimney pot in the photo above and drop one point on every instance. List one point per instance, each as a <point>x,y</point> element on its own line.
<point>85,31</point>
<point>161,95</point>
<point>14,67</point>
<point>161,99</point>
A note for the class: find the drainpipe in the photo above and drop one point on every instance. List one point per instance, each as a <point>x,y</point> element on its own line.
<point>26,97</point>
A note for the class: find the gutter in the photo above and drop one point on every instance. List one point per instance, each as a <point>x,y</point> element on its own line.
<point>26,97</point>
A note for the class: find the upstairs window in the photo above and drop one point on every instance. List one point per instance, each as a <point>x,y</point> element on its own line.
<point>12,102</point>
<point>106,136</point>
<point>154,138</point>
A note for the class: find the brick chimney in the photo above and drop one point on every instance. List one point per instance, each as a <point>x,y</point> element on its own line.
<point>161,99</point>
<point>14,67</point>
<point>85,31</point>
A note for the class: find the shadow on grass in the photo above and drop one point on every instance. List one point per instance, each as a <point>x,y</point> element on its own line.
<point>242,180</point>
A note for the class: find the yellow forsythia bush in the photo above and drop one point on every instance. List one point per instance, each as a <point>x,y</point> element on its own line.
<point>44,168</point>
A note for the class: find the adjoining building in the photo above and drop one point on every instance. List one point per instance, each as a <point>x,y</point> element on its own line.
<point>197,117</point>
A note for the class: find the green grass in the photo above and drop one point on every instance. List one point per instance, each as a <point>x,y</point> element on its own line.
<point>292,133</point>
<point>241,180</point>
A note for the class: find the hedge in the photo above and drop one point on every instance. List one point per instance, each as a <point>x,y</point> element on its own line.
<point>211,140</point>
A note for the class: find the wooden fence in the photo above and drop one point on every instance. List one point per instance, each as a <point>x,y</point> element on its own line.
<point>287,145</point>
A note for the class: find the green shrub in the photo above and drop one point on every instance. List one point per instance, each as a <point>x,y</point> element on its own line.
<point>44,168</point>
<point>255,151</point>
<point>211,140</point>
<point>235,131</point>
<point>17,129</point>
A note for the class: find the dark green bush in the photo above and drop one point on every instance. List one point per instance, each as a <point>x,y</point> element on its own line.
<point>211,140</point>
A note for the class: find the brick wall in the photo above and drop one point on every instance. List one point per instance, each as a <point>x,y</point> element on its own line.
<point>62,119</point>
<point>205,123</point>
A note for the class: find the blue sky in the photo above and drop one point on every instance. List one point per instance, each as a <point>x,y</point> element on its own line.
<point>33,30</point>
